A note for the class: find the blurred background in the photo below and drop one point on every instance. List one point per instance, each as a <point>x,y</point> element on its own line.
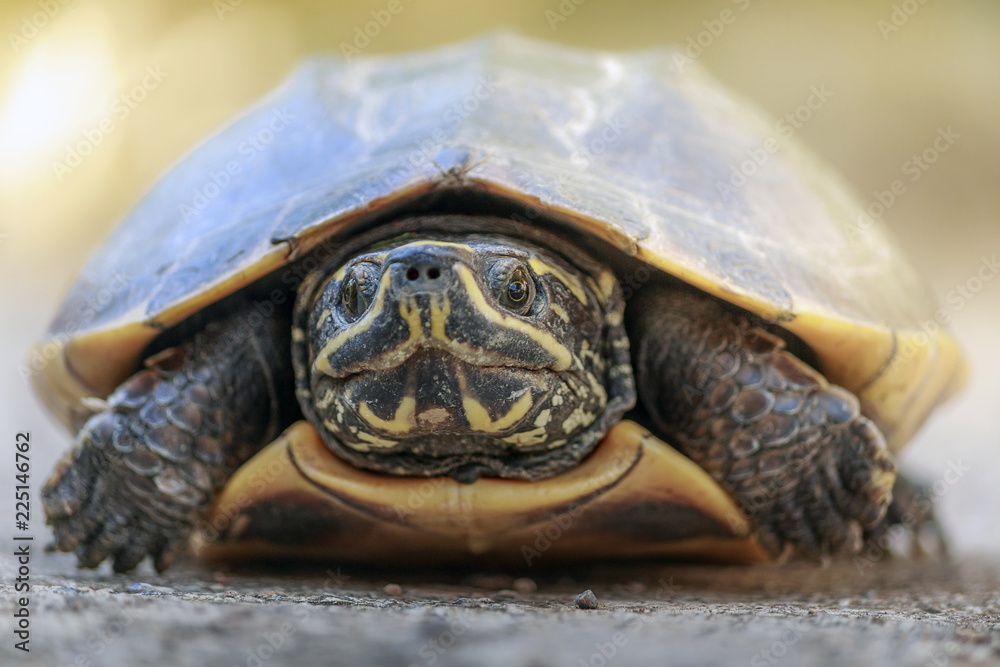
<point>98,97</point>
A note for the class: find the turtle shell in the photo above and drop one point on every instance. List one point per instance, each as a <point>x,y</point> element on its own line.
<point>641,149</point>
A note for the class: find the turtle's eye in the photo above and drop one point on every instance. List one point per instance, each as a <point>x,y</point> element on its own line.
<point>358,290</point>
<point>513,285</point>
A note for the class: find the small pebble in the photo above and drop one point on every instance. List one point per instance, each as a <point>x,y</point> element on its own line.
<point>393,590</point>
<point>525,585</point>
<point>586,600</point>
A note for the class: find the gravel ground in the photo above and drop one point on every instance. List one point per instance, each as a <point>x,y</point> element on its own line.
<point>900,612</point>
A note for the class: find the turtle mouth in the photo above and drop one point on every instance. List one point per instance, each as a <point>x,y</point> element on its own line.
<point>445,411</point>
<point>460,400</point>
<point>437,415</point>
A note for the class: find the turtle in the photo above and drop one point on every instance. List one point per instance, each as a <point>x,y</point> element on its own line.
<point>495,301</point>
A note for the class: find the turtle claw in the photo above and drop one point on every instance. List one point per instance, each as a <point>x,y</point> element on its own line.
<point>911,516</point>
<point>830,504</point>
<point>61,496</point>
<point>130,556</point>
<point>165,556</point>
<point>90,515</point>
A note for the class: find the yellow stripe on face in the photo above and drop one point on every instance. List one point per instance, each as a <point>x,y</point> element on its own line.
<point>407,310</point>
<point>339,274</point>
<point>410,313</point>
<point>528,438</point>
<point>402,421</point>
<point>562,355</point>
<point>560,311</point>
<point>572,284</point>
<point>479,419</point>
<point>440,310</point>
<point>606,282</point>
<point>372,440</point>
<point>322,363</point>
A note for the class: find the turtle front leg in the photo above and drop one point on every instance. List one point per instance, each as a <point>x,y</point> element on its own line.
<point>794,450</point>
<point>911,514</point>
<point>145,468</point>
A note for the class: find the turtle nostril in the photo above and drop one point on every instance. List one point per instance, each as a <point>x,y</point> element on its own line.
<point>431,273</point>
<point>424,272</point>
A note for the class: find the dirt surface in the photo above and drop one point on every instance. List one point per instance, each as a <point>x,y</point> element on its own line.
<point>851,612</point>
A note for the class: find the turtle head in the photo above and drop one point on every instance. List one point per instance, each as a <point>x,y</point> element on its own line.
<point>462,355</point>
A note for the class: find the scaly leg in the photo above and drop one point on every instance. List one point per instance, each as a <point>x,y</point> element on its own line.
<point>145,469</point>
<point>794,450</point>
